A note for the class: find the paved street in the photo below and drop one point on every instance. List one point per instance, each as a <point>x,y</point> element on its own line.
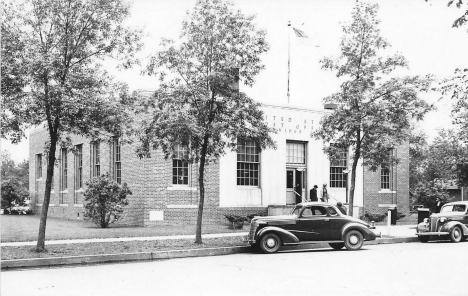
<point>399,269</point>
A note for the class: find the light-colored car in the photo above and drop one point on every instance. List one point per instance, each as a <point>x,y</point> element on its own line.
<point>451,222</point>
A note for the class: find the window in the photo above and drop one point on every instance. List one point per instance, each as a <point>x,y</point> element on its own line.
<point>78,170</point>
<point>64,174</point>
<point>117,162</point>
<point>295,153</point>
<point>79,166</point>
<point>248,162</point>
<point>332,211</point>
<point>180,166</point>
<point>337,166</point>
<point>385,172</point>
<point>95,160</point>
<point>38,166</point>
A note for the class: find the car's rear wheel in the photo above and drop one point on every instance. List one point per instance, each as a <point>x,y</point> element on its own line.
<point>353,240</point>
<point>270,243</point>
<point>337,246</point>
<point>456,234</point>
<point>423,238</point>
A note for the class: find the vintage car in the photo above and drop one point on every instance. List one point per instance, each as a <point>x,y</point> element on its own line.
<point>310,222</point>
<point>451,222</point>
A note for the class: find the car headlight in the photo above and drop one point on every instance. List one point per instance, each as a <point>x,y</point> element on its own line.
<point>443,220</point>
<point>426,220</point>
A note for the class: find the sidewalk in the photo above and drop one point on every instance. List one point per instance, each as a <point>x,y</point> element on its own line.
<point>389,235</point>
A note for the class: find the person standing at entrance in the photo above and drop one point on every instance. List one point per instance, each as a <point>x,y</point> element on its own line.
<point>324,192</point>
<point>298,192</point>
<point>313,193</point>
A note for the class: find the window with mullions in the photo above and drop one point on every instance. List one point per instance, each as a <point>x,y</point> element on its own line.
<point>78,167</point>
<point>180,166</point>
<point>384,177</point>
<point>295,153</point>
<point>117,161</point>
<point>95,160</point>
<point>248,163</point>
<point>64,174</point>
<point>385,172</point>
<point>38,166</point>
<point>337,166</point>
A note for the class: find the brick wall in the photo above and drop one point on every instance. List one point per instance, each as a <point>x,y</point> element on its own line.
<point>399,186</point>
<point>149,179</point>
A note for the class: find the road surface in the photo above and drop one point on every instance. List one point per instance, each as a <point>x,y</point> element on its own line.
<point>435,268</point>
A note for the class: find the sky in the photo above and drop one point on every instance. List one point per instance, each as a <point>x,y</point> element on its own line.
<point>421,31</point>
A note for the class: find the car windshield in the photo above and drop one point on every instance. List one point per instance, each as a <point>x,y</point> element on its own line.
<point>296,211</point>
<point>453,208</point>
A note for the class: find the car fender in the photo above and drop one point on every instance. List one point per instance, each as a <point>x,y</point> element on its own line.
<point>367,233</point>
<point>447,227</point>
<point>286,236</point>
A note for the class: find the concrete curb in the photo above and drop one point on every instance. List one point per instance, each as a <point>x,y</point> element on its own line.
<point>150,256</point>
<point>124,257</point>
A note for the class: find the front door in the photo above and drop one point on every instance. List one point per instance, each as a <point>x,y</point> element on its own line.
<point>290,183</point>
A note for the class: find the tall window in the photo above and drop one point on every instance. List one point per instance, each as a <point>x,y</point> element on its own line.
<point>337,166</point>
<point>295,153</point>
<point>79,166</point>
<point>78,170</point>
<point>180,166</point>
<point>95,160</point>
<point>64,174</point>
<point>117,161</point>
<point>385,172</point>
<point>38,166</point>
<point>248,164</point>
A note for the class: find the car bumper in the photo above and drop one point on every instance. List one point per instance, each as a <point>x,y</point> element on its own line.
<point>438,233</point>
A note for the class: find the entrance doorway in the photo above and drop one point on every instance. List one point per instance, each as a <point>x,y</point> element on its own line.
<point>295,186</point>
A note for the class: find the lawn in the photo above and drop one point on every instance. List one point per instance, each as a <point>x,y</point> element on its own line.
<point>21,228</point>
<point>17,228</point>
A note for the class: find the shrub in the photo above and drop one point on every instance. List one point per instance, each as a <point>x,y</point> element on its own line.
<point>104,200</point>
<point>376,217</point>
<point>236,222</point>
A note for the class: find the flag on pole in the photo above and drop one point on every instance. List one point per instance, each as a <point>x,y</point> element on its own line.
<point>299,33</point>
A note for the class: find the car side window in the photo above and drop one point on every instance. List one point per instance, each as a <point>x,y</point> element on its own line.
<point>307,212</point>
<point>332,211</point>
<point>459,208</point>
<point>318,211</point>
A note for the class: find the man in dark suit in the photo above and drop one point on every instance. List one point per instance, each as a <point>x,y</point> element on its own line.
<point>313,194</point>
<point>439,205</point>
<point>340,207</point>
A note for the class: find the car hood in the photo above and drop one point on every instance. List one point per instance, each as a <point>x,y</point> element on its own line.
<point>274,218</point>
<point>448,215</point>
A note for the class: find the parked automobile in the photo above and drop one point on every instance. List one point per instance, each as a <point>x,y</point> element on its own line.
<point>451,222</point>
<point>310,222</point>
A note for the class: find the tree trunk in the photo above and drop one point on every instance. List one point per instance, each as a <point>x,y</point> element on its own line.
<point>201,184</point>
<point>40,247</point>
<point>357,155</point>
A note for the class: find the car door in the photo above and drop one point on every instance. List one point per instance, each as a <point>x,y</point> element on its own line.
<point>336,223</point>
<point>312,224</point>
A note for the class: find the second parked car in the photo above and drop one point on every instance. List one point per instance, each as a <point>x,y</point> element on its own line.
<point>311,222</point>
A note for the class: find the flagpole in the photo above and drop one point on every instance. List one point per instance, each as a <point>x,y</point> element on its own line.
<point>289,54</point>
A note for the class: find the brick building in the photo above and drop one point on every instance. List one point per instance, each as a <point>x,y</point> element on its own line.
<point>248,182</point>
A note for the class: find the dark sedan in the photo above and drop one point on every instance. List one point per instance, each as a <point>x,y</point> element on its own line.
<point>311,222</point>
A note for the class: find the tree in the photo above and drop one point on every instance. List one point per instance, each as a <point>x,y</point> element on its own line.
<point>57,45</point>
<point>373,109</point>
<point>462,20</point>
<point>198,104</point>
<point>104,200</point>
<point>417,157</point>
<point>427,194</point>
<point>15,181</point>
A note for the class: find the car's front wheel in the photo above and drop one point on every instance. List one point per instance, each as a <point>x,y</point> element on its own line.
<point>456,234</point>
<point>353,240</point>
<point>337,246</point>
<point>270,243</point>
<point>423,238</point>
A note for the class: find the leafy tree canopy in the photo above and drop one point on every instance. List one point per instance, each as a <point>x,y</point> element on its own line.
<point>198,104</point>
<point>374,109</point>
